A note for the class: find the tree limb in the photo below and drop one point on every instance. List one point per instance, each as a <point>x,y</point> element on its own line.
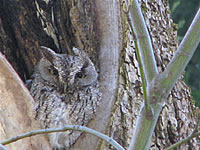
<point>139,29</point>
<point>65,128</point>
<point>182,56</point>
<point>162,85</point>
<point>193,135</point>
<point>143,47</point>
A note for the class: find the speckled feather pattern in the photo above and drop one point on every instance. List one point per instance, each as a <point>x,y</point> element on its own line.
<point>56,107</point>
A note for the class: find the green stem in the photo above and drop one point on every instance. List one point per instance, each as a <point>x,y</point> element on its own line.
<point>162,84</point>
<point>144,86</point>
<point>182,56</point>
<point>144,49</point>
<point>141,35</point>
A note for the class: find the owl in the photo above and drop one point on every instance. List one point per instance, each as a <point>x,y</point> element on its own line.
<point>65,91</point>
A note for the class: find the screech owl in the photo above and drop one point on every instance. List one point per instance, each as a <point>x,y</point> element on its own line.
<point>65,91</point>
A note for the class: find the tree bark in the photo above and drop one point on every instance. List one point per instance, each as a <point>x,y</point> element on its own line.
<point>175,121</point>
<point>100,28</point>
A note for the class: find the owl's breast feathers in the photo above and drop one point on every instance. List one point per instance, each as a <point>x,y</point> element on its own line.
<point>55,103</point>
<point>76,106</point>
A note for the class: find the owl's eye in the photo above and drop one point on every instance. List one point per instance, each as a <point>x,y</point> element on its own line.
<point>80,75</point>
<point>53,71</point>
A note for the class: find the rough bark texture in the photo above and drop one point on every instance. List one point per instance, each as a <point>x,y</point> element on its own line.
<point>177,119</point>
<point>95,27</point>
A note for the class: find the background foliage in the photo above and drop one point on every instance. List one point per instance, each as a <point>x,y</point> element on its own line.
<point>183,12</point>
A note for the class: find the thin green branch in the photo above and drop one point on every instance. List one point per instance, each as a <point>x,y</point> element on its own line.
<point>162,85</point>
<point>141,35</point>
<point>182,56</point>
<point>144,50</point>
<point>194,134</point>
<point>144,85</point>
<point>183,141</point>
<point>65,128</point>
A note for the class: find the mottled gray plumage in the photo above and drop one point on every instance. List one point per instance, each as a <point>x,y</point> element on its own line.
<point>65,90</point>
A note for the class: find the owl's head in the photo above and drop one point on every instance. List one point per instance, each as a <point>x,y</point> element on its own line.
<point>67,70</point>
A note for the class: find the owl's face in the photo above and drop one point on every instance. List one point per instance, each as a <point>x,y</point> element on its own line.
<point>65,70</point>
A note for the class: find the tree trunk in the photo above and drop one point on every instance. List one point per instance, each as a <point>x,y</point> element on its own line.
<point>100,28</point>
<point>16,111</point>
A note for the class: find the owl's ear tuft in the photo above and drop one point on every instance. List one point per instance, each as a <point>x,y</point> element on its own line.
<point>76,51</point>
<point>47,53</point>
<point>80,53</point>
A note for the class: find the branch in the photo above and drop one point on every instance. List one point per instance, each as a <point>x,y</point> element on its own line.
<point>143,41</point>
<point>148,71</point>
<point>162,85</point>
<point>193,135</point>
<point>182,56</point>
<point>65,128</point>
<point>143,46</point>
